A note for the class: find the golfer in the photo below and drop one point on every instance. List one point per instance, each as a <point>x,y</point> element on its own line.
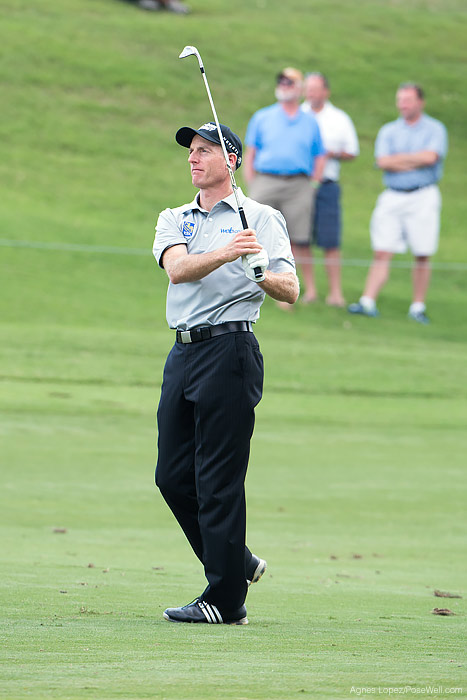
<point>213,376</point>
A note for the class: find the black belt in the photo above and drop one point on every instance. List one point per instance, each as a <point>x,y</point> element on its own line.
<point>195,335</point>
<point>260,172</point>
<point>410,189</point>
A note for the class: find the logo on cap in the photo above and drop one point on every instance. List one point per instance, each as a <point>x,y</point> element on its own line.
<point>212,127</point>
<point>188,229</point>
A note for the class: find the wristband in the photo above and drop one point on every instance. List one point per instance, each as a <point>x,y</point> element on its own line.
<point>315,184</point>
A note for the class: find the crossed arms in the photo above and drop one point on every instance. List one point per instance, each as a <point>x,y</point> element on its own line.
<point>402,162</point>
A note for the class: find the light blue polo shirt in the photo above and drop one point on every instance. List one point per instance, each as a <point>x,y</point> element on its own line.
<point>284,145</point>
<point>427,134</point>
<point>226,294</point>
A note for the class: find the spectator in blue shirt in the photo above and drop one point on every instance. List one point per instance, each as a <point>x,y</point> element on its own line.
<point>284,165</point>
<point>410,151</point>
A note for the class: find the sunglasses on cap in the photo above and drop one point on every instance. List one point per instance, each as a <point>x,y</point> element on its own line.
<point>284,80</point>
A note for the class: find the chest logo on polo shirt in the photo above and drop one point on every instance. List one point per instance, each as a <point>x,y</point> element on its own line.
<point>231,230</point>
<point>188,229</point>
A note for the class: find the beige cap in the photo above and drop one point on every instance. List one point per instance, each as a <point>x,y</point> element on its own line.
<point>292,74</point>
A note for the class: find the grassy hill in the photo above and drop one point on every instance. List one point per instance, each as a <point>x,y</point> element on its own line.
<point>93,91</point>
<point>357,483</point>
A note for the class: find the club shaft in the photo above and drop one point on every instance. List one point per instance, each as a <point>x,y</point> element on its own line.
<point>224,150</point>
<point>241,212</point>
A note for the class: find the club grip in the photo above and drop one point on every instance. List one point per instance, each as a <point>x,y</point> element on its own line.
<point>257,270</point>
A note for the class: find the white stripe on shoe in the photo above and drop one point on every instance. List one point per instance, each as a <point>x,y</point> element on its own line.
<point>210,612</point>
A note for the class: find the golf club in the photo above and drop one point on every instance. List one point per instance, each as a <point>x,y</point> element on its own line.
<point>193,51</point>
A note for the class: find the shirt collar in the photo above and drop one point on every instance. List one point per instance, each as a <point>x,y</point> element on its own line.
<point>326,108</point>
<point>230,201</point>
<point>419,121</point>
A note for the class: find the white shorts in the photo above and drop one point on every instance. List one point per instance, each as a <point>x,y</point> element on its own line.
<point>403,220</point>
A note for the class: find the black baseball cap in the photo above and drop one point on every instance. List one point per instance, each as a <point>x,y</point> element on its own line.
<point>184,137</point>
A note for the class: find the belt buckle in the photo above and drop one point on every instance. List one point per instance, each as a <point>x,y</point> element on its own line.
<point>185,337</point>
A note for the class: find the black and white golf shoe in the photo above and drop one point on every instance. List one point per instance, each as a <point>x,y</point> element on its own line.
<point>201,611</point>
<point>256,569</point>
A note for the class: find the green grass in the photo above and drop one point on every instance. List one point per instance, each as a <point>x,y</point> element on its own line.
<point>356,487</point>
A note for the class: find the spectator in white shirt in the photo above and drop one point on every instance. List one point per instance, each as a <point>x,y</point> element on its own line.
<point>341,143</point>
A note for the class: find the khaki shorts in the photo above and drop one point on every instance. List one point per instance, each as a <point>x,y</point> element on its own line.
<point>403,220</point>
<point>293,196</point>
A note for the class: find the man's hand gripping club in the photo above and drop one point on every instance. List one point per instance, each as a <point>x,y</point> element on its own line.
<point>252,262</point>
<point>246,246</point>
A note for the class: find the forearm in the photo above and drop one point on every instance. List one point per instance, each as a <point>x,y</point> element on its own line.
<point>282,286</point>
<point>248,164</point>
<point>182,266</point>
<point>403,162</point>
<point>320,162</point>
<point>193,267</point>
<point>340,155</point>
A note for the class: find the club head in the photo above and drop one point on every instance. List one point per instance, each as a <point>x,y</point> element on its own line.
<point>191,51</point>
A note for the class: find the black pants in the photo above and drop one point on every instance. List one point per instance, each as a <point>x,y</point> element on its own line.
<point>205,420</point>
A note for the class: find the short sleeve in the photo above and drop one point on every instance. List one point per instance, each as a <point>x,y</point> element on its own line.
<point>273,235</point>
<point>351,144</point>
<point>382,143</point>
<point>438,141</point>
<point>318,146</point>
<point>252,132</point>
<point>168,234</point>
